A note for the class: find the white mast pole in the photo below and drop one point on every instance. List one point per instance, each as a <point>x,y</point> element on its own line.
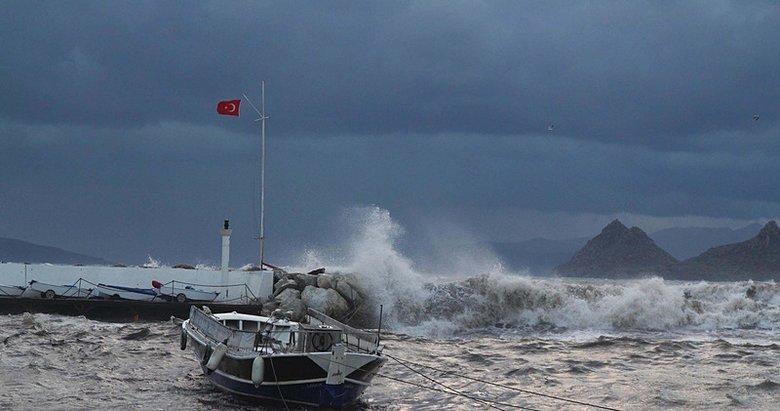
<point>262,168</point>
<point>262,176</point>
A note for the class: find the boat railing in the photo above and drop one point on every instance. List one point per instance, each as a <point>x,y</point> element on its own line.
<point>284,340</point>
<point>236,340</point>
<point>356,339</point>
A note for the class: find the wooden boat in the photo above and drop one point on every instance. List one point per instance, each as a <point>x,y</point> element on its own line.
<point>317,362</point>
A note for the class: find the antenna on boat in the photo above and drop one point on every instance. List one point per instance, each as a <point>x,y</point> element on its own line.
<point>261,119</point>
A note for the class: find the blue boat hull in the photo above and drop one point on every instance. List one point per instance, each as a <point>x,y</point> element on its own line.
<point>311,393</point>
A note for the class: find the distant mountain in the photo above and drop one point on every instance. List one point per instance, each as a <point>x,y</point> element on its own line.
<point>687,242</point>
<point>19,251</point>
<point>618,252</point>
<point>757,258</point>
<point>538,255</point>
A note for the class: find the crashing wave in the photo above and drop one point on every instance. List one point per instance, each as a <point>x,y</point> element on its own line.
<point>437,305</point>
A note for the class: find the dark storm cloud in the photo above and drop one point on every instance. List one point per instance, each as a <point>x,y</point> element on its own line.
<point>646,73</point>
<point>107,115</point>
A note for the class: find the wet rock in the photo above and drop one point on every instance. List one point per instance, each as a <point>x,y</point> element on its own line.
<point>269,307</point>
<point>284,284</point>
<point>326,300</point>
<point>293,308</point>
<point>287,295</point>
<point>325,281</point>
<point>352,297</point>
<point>305,280</point>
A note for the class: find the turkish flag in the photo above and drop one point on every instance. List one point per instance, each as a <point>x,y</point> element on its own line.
<point>228,107</point>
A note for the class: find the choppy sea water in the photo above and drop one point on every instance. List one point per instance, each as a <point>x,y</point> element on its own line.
<point>492,342</point>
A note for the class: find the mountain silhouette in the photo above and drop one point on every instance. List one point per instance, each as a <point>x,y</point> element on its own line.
<point>18,251</point>
<point>618,252</point>
<point>757,258</point>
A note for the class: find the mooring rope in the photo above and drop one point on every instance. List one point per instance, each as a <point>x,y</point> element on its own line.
<point>439,390</point>
<point>278,385</point>
<point>453,391</point>
<point>507,386</point>
<point>489,403</point>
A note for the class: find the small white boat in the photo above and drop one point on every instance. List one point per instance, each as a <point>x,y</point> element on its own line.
<point>51,291</point>
<point>11,290</point>
<point>317,362</point>
<point>117,292</point>
<point>181,294</point>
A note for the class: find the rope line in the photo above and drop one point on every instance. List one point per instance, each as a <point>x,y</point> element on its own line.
<point>489,403</point>
<point>485,401</point>
<point>453,391</point>
<point>510,387</point>
<point>278,387</point>
<point>439,390</point>
<point>444,385</point>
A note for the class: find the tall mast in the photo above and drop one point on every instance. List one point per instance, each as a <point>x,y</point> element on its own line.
<point>262,119</point>
<point>262,175</point>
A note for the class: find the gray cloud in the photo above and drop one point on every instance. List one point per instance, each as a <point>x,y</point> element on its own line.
<point>107,115</point>
<point>650,74</point>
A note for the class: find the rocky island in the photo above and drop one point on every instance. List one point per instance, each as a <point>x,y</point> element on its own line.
<point>622,252</point>
<point>618,252</point>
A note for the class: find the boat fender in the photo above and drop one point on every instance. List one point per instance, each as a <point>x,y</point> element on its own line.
<point>216,357</point>
<point>183,342</point>
<point>206,354</point>
<point>258,370</point>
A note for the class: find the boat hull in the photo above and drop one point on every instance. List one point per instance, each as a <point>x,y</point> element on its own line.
<point>318,393</point>
<point>11,291</point>
<point>327,378</point>
<point>124,293</point>
<point>294,378</point>
<point>186,294</point>
<point>50,291</point>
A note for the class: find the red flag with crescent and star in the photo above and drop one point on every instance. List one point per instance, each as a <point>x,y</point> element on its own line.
<point>228,107</point>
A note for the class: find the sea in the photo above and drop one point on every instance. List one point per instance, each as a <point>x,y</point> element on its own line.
<point>483,339</point>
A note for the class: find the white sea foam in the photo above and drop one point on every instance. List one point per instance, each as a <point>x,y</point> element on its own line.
<point>370,253</point>
<point>152,263</point>
<point>438,305</point>
<point>651,304</point>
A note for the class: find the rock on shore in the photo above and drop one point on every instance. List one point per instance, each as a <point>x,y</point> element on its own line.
<point>337,295</point>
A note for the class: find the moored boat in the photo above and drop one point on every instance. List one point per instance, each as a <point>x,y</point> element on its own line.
<point>175,292</point>
<point>317,362</point>
<point>124,293</point>
<point>51,291</point>
<point>11,290</point>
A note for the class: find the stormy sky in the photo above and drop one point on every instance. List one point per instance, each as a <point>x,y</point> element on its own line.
<point>438,112</point>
